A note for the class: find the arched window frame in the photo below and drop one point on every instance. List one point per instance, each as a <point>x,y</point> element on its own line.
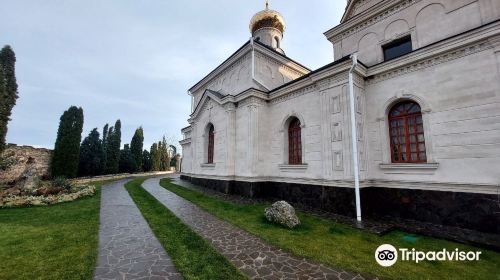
<point>406,133</point>
<point>294,142</point>
<point>286,166</point>
<point>277,41</point>
<point>383,121</point>
<point>209,144</point>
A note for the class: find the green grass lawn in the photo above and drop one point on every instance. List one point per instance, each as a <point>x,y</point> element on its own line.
<point>342,246</point>
<point>193,257</point>
<point>50,242</point>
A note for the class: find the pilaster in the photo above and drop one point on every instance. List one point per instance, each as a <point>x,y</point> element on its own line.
<point>230,109</point>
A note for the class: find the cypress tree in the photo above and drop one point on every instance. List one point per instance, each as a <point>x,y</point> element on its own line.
<point>3,118</point>
<point>155,157</point>
<point>136,147</point>
<point>113,148</point>
<point>107,148</point>
<point>146,161</point>
<point>127,161</point>
<point>67,147</point>
<point>164,156</point>
<point>105,131</point>
<point>91,155</point>
<point>8,90</point>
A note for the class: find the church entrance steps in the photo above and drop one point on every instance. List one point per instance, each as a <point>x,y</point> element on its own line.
<point>251,255</point>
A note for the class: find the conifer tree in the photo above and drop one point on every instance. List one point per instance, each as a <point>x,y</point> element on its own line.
<point>127,161</point>
<point>113,148</point>
<point>146,161</point>
<point>111,130</point>
<point>91,155</point>
<point>164,156</point>
<point>155,157</point>
<point>8,90</point>
<point>105,131</point>
<point>3,118</point>
<point>66,155</point>
<point>136,147</point>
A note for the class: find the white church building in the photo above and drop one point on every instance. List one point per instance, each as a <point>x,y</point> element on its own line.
<point>426,80</point>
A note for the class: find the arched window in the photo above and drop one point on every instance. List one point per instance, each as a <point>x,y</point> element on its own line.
<point>294,142</point>
<point>277,42</point>
<point>257,39</point>
<point>210,149</point>
<point>406,130</point>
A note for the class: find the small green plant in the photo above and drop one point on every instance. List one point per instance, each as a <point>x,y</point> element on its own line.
<point>7,161</point>
<point>62,182</point>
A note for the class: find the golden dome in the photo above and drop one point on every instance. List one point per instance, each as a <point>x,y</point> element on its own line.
<point>267,18</point>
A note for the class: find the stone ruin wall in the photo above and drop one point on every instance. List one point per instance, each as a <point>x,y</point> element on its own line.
<point>18,159</point>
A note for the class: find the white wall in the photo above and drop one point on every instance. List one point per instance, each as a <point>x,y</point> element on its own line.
<point>463,96</point>
<point>427,21</point>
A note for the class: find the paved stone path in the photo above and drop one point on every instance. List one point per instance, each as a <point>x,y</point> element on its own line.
<point>128,248</point>
<point>248,253</point>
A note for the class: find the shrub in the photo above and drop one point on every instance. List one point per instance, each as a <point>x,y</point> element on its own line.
<point>7,161</point>
<point>62,182</point>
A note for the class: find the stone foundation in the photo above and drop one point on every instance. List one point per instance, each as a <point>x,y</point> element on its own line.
<point>474,211</point>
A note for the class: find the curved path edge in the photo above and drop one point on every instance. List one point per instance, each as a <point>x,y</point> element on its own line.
<point>128,249</point>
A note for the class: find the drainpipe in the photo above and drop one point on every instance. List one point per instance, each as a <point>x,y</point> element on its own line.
<point>354,136</point>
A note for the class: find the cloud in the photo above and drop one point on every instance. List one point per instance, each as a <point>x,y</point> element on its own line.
<point>135,60</point>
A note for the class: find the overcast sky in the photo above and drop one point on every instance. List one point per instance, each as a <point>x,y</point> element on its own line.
<point>134,60</point>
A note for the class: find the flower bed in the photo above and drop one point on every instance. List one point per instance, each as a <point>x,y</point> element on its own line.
<point>36,200</point>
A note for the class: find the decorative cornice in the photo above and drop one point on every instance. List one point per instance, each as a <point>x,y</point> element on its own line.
<point>349,28</point>
<point>293,94</point>
<point>187,129</point>
<point>252,100</point>
<point>329,82</point>
<point>431,61</point>
<point>186,141</point>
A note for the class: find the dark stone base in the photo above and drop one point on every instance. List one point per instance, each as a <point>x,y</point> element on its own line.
<point>480,212</point>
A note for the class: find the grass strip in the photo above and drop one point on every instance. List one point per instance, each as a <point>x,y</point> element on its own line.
<point>51,242</point>
<point>193,257</point>
<point>345,247</point>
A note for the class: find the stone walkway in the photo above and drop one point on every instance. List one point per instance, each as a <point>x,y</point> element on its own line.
<point>248,253</point>
<point>128,248</point>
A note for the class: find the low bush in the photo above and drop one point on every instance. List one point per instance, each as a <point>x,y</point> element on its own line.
<point>62,182</point>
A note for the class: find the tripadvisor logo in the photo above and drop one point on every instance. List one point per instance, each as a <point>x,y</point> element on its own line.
<point>387,255</point>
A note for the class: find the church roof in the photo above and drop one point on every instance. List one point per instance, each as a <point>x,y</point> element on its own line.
<point>237,51</point>
<point>283,55</point>
<point>217,68</point>
<point>343,59</point>
<point>348,9</point>
<point>216,93</point>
